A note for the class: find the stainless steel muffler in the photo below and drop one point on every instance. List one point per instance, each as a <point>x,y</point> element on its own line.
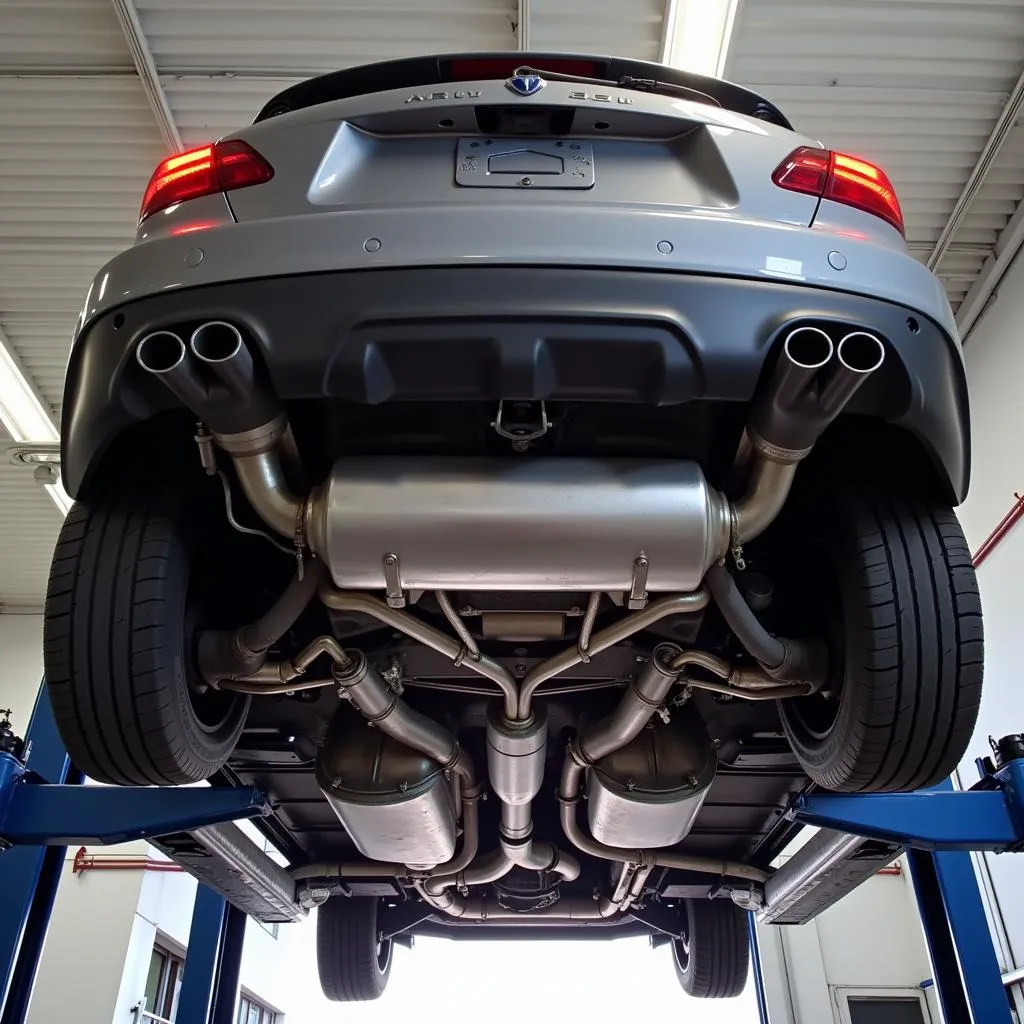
<point>543,524</point>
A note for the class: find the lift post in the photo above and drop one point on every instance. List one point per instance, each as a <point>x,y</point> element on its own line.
<point>210,985</point>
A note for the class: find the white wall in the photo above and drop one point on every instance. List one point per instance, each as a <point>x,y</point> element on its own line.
<point>167,900</point>
<point>871,939</point>
<point>86,946</point>
<point>21,665</point>
<point>995,361</point>
<point>102,933</point>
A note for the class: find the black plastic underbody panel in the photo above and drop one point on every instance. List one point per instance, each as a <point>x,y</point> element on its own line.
<point>488,333</point>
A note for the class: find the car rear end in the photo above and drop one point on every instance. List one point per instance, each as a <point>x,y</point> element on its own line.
<point>521,227</point>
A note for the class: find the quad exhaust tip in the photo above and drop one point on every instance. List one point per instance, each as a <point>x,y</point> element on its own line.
<point>160,352</point>
<point>861,352</point>
<point>809,348</point>
<point>216,342</point>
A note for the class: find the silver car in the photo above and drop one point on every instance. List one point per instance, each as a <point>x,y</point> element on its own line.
<point>560,430</point>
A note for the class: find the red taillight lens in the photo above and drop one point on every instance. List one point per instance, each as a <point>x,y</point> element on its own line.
<point>842,178</point>
<point>203,172</point>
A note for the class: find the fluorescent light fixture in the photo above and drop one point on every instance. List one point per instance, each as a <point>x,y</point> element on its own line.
<point>696,35</point>
<point>21,411</point>
<point>25,417</point>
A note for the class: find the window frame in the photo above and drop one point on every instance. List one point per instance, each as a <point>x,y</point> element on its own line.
<point>246,1002</point>
<point>168,987</point>
<point>894,994</point>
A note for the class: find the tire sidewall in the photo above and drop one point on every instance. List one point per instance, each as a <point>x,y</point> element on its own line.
<point>843,628</point>
<point>208,744</point>
<point>352,963</point>
<point>211,743</point>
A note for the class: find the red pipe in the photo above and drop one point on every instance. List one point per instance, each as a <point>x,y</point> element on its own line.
<point>1006,524</point>
<point>85,861</point>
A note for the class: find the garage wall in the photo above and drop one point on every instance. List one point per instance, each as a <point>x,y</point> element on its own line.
<point>995,360</point>
<point>87,946</point>
<point>871,940</point>
<point>21,665</point>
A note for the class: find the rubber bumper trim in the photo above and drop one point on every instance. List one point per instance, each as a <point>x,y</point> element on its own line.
<point>488,333</point>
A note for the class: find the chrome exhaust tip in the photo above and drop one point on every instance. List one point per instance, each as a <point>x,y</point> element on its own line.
<point>163,354</point>
<point>858,355</point>
<point>812,383</point>
<point>808,348</point>
<point>216,342</point>
<point>221,347</point>
<point>160,352</point>
<point>861,352</point>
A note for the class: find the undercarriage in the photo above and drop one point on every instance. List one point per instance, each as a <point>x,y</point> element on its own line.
<point>520,555</point>
<point>558,671</point>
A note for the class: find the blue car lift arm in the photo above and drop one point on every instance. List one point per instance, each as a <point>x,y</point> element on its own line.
<point>44,808</point>
<point>937,827</point>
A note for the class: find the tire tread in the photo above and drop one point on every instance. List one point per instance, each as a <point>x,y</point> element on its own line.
<point>914,648</point>
<point>112,624</point>
<point>346,950</point>
<point>719,950</point>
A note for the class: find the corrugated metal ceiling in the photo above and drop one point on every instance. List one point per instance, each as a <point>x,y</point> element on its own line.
<point>259,36</point>
<point>915,84</point>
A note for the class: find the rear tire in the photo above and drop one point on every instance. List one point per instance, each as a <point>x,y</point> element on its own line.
<point>117,641</point>
<point>354,965</point>
<point>714,961</point>
<point>905,691</point>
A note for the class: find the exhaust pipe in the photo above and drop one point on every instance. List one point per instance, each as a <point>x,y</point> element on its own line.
<point>220,348</point>
<point>163,354</point>
<point>804,397</point>
<point>812,384</point>
<point>221,386</point>
<point>568,909</point>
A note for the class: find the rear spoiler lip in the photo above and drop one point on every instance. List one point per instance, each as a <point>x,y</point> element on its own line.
<point>417,72</point>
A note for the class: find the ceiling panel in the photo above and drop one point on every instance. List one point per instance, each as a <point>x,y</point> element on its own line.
<point>42,35</point>
<point>312,36</point>
<point>915,86</point>
<point>583,26</point>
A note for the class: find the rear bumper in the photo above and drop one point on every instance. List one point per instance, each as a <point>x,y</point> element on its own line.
<point>488,333</point>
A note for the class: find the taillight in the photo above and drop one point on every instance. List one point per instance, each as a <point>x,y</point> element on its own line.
<point>220,167</point>
<point>842,178</point>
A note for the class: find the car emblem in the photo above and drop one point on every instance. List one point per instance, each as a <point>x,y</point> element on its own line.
<point>526,85</point>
